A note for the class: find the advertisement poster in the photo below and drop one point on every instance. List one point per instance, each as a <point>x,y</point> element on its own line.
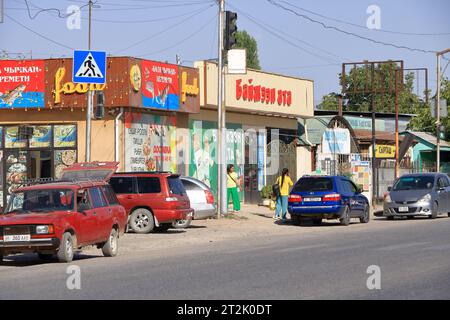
<point>65,136</point>
<point>16,170</point>
<point>160,85</point>
<point>22,83</point>
<point>63,159</point>
<point>12,139</point>
<point>150,142</point>
<point>203,164</point>
<point>42,137</point>
<point>336,141</point>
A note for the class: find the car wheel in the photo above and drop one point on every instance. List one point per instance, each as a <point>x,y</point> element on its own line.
<point>182,224</point>
<point>65,251</point>
<point>317,222</point>
<point>390,217</point>
<point>163,227</point>
<point>366,215</point>
<point>45,256</point>
<point>111,246</point>
<point>141,221</point>
<point>345,220</point>
<point>434,211</point>
<point>448,214</point>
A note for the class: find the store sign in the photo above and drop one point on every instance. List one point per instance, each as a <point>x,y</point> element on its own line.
<point>384,151</point>
<point>66,88</point>
<point>188,89</point>
<point>135,77</point>
<point>22,83</point>
<point>248,91</point>
<point>336,141</point>
<point>160,85</point>
<point>150,142</point>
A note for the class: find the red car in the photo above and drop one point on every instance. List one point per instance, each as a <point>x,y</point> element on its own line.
<point>60,217</point>
<point>153,200</point>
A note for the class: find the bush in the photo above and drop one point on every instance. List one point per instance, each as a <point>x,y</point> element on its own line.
<point>266,192</point>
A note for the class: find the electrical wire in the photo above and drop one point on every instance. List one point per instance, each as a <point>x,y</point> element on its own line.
<point>276,4</point>
<point>39,34</point>
<point>50,9</point>
<point>163,31</point>
<point>248,16</point>
<point>180,41</point>
<point>364,27</point>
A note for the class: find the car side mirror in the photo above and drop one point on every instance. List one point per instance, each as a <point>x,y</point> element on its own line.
<point>389,188</point>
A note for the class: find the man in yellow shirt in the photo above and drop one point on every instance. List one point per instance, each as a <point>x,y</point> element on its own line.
<point>232,188</point>
<point>285,182</point>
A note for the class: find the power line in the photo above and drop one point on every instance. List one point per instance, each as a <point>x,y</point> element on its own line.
<point>50,9</point>
<point>164,31</point>
<point>38,34</point>
<point>364,27</point>
<point>288,35</point>
<point>180,41</point>
<point>272,2</point>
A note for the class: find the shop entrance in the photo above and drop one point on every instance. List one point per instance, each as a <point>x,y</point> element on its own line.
<point>40,164</point>
<point>254,165</point>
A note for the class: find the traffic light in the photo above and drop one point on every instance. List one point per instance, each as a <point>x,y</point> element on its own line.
<point>230,29</point>
<point>100,106</point>
<point>441,132</point>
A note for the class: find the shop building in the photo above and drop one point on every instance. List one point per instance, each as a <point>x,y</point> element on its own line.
<point>43,117</point>
<point>261,114</point>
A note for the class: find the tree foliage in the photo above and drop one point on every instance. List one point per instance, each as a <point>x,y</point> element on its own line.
<point>246,41</point>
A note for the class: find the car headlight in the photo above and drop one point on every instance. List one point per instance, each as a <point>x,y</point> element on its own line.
<point>45,229</point>
<point>387,198</point>
<point>425,198</point>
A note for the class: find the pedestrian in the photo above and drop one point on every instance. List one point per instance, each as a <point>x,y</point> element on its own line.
<point>232,188</point>
<point>284,181</point>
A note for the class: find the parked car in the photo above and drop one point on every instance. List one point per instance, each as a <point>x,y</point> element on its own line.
<point>201,199</point>
<point>419,194</point>
<point>60,217</point>
<point>327,197</point>
<point>153,200</point>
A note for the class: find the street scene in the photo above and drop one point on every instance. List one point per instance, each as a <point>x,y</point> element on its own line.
<point>197,150</point>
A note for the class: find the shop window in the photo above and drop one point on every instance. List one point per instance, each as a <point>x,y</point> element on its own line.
<point>41,137</point>
<point>63,159</point>
<point>16,170</point>
<point>13,139</point>
<point>65,136</point>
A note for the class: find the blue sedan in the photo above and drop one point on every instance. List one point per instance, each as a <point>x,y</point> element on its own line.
<point>327,197</point>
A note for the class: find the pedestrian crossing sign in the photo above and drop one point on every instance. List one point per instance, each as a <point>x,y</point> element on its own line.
<point>89,67</point>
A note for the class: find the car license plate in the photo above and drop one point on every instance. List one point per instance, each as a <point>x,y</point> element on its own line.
<point>403,209</point>
<point>17,238</point>
<point>318,199</point>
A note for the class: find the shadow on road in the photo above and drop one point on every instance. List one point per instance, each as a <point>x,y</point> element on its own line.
<point>30,259</point>
<point>309,223</point>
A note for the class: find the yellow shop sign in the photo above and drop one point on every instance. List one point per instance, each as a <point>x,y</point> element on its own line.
<point>70,87</point>
<point>188,89</point>
<point>384,151</point>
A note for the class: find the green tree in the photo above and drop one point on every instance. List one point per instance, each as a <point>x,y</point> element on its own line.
<point>246,41</point>
<point>329,102</point>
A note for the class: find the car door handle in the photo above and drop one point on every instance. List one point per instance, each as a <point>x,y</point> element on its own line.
<point>94,213</point>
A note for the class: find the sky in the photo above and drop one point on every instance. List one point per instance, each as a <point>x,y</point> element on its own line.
<point>289,42</point>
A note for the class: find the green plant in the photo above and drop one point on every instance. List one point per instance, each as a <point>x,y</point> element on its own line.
<point>266,192</point>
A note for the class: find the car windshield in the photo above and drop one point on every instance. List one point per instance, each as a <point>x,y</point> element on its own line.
<point>40,201</point>
<point>414,183</point>
<point>313,184</point>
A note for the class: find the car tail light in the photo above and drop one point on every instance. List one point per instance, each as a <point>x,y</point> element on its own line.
<point>332,197</point>
<point>171,199</point>
<point>209,197</point>
<point>294,198</point>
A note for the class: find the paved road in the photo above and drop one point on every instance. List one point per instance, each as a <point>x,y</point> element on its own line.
<point>414,257</point>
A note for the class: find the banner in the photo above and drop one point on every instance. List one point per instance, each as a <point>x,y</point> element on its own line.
<point>150,142</point>
<point>160,85</point>
<point>336,141</point>
<point>22,83</point>
<point>384,151</point>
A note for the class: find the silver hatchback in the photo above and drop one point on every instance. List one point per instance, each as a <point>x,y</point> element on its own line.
<point>420,194</point>
<point>201,199</point>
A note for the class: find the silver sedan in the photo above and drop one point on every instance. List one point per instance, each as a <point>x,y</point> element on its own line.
<point>420,194</point>
<point>201,198</point>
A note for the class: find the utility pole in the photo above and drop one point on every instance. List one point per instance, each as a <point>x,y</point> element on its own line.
<point>221,176</point>
<point>438,108</point>
<point>90,102</point>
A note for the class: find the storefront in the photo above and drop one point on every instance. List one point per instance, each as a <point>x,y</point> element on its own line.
<point>261,115</point>
<point>43,118</point>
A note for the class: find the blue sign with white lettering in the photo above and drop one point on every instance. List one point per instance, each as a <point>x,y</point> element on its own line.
<point>89,67</point>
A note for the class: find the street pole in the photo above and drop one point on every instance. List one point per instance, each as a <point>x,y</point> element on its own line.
<point>221,200</point>
<point>372,97</point>
<point>90,103</point>
<point>438,107</point>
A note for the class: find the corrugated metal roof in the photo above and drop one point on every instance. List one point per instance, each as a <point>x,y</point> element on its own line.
<point>429,138</point>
